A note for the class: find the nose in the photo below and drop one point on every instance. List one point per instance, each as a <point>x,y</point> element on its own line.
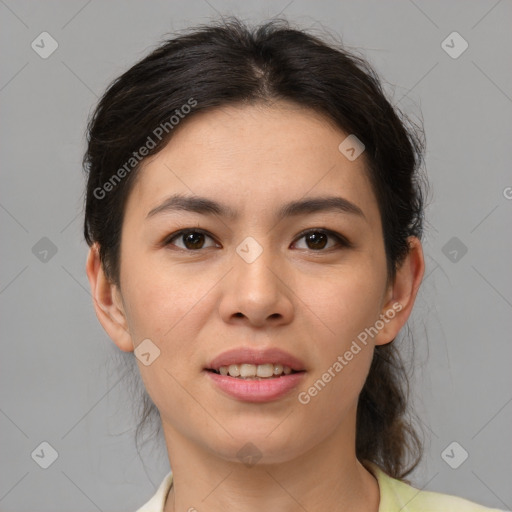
<point>256,293</point>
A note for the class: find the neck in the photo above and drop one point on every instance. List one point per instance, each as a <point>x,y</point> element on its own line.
<point>327,477</point>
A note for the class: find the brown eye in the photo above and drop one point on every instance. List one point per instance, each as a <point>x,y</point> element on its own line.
<point>192,240</point>
<point>318,239</point>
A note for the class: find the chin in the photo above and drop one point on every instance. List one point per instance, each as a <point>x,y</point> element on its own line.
<point>264,444</point>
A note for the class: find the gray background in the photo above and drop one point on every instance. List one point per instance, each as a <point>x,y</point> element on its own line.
<point>59,376</point>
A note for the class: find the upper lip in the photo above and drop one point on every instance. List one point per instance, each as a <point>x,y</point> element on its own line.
<point>253,356</point>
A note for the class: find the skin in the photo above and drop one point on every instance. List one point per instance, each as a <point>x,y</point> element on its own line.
<point>195,304</point>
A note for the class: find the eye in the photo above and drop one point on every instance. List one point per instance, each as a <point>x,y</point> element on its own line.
<point>192,239</point>
<point>315,239</point>
<point>318,239</point>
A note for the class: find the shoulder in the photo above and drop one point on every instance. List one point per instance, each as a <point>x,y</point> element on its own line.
<point>157,502</point>
<point>396,495</point>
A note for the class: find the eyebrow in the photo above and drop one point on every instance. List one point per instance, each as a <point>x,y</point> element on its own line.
<point>205,206</point>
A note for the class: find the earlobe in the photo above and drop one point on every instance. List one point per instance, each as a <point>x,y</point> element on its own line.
<point>107,303</point>
<point>402,292</point>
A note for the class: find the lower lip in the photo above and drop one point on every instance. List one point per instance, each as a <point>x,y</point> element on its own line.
<point>264,390</point>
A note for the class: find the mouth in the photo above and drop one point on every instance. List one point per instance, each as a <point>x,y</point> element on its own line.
<point>248,371</point>
<point>251,375</point>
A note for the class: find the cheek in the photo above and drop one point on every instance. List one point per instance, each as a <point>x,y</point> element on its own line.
<point>346,301</point>
<point>164,304</point>
<point>345,304</point>
<point>331,396</point>
<point>160,297</point>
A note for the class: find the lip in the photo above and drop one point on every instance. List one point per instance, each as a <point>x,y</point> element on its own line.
<point>253,356</point>
<point>254,390</point>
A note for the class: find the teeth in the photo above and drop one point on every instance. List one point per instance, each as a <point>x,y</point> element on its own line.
<point>253,371</point>
<point>248,370</point>
<point>265,370</point>
<point>234,370</point>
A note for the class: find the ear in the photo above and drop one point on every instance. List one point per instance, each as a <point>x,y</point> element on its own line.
<point>401,294</point>
<point>107,302</point>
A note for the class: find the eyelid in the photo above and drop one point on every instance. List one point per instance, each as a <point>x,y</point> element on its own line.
<point>341,239</point>
<point>176,234</point>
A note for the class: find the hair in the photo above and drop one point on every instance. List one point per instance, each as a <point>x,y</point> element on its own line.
<point>229,63</point>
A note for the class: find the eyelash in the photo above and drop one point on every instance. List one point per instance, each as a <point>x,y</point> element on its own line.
<point>341,240</point>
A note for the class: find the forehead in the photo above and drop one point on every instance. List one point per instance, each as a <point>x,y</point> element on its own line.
<point>252,156</point>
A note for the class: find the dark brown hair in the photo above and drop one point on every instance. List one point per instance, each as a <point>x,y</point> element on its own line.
<point>231,63</point>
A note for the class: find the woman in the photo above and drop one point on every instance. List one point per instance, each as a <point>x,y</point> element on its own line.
<point>254,213</point>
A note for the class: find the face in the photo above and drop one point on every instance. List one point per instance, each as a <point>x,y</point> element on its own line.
<point>249,273</point>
